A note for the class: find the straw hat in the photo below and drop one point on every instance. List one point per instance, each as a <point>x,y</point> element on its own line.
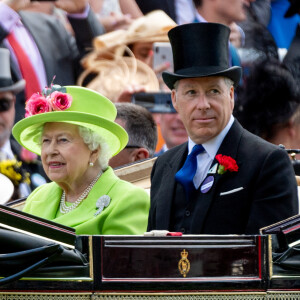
<point>6,188</point>
<point>110,70</point>
<point>111,77</point>
<point>153,27</point>
<point>70,104</point>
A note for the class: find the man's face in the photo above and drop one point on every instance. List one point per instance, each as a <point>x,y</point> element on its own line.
<point>7,115</point>
<point>204,105</point>
<point>123,157</point>
<point>172,129</point>
<point>232,10</point>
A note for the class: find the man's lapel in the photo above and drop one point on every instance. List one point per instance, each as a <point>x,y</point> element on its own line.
<point>167,194</point>
<point>229,147</point>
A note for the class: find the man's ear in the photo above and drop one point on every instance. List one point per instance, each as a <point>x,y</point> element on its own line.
<point>231,93</point>
<point>292,129</point>
<point>138,154</point>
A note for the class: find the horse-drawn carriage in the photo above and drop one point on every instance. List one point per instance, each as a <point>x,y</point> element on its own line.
<point>47,261</point>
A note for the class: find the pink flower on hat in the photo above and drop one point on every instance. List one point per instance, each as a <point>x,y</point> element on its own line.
<point>37,104</point>
<point>47,102</point>
<point>60,101</point>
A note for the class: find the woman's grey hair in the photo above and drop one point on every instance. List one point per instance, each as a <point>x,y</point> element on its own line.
<point>93,140</point>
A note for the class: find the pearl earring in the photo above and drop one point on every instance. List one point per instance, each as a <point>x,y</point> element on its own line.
<point>91,164</point>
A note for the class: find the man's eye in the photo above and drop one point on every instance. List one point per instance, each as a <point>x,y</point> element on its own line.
<point>191,92</point>
<point>214,91</point>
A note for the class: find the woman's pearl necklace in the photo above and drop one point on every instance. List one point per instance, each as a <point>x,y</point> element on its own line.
<point>65,209</point>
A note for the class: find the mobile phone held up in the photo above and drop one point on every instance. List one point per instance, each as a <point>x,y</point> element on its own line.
<point>157,102</point>
<point>162,54</point>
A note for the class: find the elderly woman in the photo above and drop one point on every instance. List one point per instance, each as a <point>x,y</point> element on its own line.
<point>73,130</point>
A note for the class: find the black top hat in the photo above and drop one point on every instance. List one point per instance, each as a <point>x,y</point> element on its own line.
<point>200,50</point>
<point>6,82</point>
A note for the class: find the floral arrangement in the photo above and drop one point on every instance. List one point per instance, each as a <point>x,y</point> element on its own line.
<point>52,99</point>
<point>28,156</point>
<point>11,168</point>
<point>226,163</point>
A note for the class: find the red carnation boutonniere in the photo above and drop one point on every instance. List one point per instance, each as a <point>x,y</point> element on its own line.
<point>226,163</point>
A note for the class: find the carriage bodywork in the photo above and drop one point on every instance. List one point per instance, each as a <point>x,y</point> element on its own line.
<point>167,267</point>
<point>150,267</point>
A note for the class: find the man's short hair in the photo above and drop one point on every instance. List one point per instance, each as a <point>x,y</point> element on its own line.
<point>139,124</point>
<point>176,85</point>
<point>227,81</point>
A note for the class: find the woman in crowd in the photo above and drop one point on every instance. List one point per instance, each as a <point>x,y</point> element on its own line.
<point>138,37</point>
<point>73,130</point>
<point>270,103</point>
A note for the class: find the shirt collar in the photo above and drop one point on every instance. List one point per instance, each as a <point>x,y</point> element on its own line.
<point>164,148</point>
<point>7,150</point>
<point>212,146</point>
<point>200,18</point>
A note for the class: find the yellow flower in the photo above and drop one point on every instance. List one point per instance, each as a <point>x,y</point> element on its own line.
<point>12,169</point>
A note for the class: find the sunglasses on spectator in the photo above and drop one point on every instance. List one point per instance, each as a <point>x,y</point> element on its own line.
<point>5,104</point>
<point>132,146</point>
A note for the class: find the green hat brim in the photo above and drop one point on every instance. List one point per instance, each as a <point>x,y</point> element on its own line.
<point>28,131</point>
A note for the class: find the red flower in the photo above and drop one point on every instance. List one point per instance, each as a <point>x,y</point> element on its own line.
<point>60,101</point>
<point>28,156</point>
<point>56,101</point>
<point>37,104</point>
<point>226,163</point>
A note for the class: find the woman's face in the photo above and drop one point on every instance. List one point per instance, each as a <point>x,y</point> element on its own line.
<point>65,157</point>
<point>143,52</point>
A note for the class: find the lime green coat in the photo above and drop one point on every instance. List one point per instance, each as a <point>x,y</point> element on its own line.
<point>127,212</point>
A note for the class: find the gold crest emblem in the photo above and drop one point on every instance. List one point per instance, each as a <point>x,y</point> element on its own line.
<point>184,264</point>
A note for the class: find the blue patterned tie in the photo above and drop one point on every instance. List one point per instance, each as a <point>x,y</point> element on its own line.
<point>186,174</point>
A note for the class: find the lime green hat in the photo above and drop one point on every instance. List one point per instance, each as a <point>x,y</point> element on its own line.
<point>77,105</point>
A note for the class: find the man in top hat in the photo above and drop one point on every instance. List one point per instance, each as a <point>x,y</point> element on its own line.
<point>8,91</point>
<point>9,148</point>
<point>224,180</point>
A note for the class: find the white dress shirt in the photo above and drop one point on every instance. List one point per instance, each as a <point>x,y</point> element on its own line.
<point>185,11</point>
<point>6,149</point>
<point>205,159</point>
